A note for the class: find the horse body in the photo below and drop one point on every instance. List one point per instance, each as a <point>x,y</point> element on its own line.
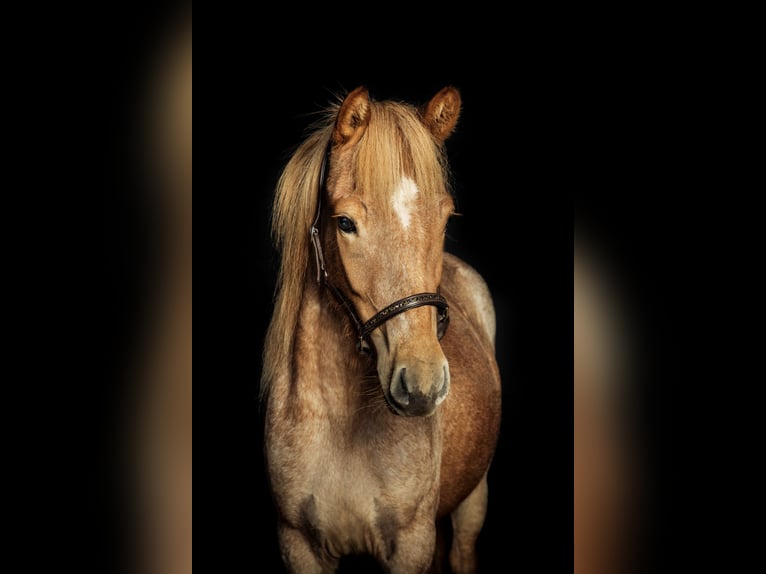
<point>349,476</point>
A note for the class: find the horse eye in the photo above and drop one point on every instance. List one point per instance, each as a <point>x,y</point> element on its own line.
<point>346,225</point>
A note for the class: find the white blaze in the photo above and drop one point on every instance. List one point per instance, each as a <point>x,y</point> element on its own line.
<point>404,199</point>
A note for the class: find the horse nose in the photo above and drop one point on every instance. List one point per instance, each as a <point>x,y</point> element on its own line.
<point>418,391</point>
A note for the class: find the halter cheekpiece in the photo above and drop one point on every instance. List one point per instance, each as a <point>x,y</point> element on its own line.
<point>400,306</point>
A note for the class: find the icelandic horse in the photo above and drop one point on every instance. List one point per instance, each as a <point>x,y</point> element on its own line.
<point>380,384</point>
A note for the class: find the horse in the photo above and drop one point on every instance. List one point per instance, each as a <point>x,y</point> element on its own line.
<point>381,389</point>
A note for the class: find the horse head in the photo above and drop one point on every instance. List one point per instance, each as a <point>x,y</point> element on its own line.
<point>388,202</point>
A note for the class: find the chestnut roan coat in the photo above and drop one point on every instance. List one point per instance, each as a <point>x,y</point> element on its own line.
<point>367,450</point>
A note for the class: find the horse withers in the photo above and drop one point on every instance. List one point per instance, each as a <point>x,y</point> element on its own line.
<point>381,387</point>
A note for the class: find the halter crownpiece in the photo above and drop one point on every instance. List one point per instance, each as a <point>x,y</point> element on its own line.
<point>400,306</point>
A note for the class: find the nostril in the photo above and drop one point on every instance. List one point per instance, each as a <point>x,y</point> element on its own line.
<point>403,383</point>
<point>400,392</point>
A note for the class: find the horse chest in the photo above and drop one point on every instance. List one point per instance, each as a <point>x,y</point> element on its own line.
<point>353,496</point>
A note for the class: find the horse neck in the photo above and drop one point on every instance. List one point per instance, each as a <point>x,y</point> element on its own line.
<point>326,388</point>
<point>328,374</point>
<point>331,380</point>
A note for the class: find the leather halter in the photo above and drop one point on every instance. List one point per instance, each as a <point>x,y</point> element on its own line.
<point>399,306</point>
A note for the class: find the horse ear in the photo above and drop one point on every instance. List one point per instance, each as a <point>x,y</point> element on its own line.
<point>353,116</point>
<point>441,113</point>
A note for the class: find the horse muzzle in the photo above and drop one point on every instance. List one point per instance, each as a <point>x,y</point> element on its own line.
<point>417,387</point>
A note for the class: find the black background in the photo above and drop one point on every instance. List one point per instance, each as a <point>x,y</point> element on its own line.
<point>515,230</point>
<point>541,135</point>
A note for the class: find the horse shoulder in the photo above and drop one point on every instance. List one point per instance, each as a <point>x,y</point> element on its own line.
<point>467,290</point>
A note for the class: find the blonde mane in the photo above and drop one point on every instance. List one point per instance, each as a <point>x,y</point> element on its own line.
<point>396,142</point>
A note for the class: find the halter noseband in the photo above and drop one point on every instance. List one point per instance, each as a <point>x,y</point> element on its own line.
<point>400,306</point>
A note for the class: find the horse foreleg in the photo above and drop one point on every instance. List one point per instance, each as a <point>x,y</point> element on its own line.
<point>413,549</point>
<point>298,555</point>
<point>467,520</point>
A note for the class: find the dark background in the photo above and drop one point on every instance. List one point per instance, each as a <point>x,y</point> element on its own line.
<point>516,231</point>
<point>554,134</point>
